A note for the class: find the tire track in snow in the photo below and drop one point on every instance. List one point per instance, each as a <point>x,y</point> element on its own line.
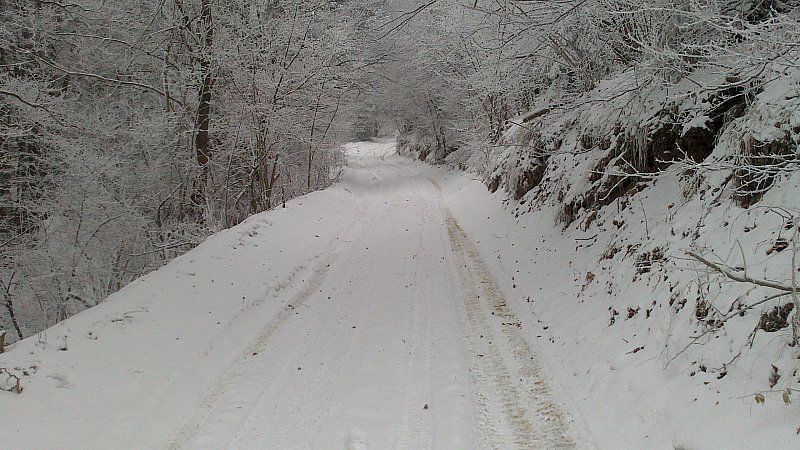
<point>510,412</point>
<point>415,426</point>
<point>230,385</point>
<point>230,414</point>
<point>311,406</point>
<point>407,425</point>
<point>299,427</point>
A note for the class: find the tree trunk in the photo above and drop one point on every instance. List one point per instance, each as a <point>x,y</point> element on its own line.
<point>9,304</point>
<point>201,141</point>
<point>11,313</point>
<point>273,177</point>
<point>311,140</point>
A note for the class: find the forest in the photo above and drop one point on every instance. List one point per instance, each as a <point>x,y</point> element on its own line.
<point>131,130</point>
<point>338,223</point>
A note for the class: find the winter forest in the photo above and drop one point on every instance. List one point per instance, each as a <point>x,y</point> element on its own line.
<point>638,203</point>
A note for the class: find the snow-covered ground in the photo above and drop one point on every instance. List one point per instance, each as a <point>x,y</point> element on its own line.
<point>362,316</point>
<point>405,307</point>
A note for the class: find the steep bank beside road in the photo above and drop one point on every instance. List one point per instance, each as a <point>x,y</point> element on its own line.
<point>611,348</point>
<point>602,203</point>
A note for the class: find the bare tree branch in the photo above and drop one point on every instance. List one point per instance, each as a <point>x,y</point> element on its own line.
<point>737,277</point>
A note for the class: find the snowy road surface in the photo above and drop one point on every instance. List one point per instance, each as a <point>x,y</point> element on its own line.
<point>388,330</point>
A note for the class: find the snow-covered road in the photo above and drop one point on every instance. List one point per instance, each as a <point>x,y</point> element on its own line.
<point>389,344</point>
<point>388,330</point>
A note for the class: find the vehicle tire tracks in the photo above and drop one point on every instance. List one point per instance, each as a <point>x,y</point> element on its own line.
<point>415,427</point>
<point>510,413</point>
<point>226,385</point>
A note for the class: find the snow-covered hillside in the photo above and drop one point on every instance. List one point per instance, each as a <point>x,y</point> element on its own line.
<point>654,232</point>
<point>613,315</point>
